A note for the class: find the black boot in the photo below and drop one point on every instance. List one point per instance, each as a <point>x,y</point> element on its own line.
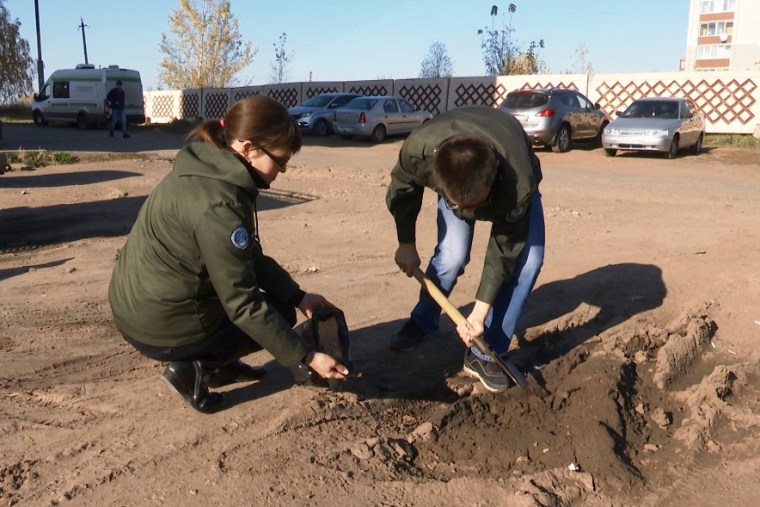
<point>187,378</point>
<point>232,373</point>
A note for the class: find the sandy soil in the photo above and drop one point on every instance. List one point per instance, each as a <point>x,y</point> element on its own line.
<point>640,342</point>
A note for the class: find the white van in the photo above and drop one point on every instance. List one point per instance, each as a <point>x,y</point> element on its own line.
<point>79,96</point>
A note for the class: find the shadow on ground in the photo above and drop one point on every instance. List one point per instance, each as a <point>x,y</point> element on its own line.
<point>61,223</point>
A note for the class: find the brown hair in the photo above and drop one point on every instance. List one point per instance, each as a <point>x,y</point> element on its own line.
<point>464,167</point>
<point>261,120</point>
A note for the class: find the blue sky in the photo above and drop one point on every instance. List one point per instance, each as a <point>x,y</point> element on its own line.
<point>343,40</point>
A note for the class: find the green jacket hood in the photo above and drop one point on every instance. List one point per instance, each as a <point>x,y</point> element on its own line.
<point>205,160</point>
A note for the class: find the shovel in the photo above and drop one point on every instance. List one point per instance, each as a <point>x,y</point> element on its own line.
<point>455,315</point>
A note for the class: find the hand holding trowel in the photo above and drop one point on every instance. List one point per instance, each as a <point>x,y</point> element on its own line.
<point>455,315</point>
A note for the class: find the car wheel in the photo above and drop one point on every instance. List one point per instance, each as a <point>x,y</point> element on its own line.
<point>38,119</point>
<point>378,134</point>
<point>610,152</point>
<point>697,148</point>
<point>320,128</point>
<point>82,121</point>
<point>673,151</point>
<point>562,141</point>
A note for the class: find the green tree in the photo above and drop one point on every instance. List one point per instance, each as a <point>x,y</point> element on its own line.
<point>437,62</point>
<point>16,66</point>
<point>282,58</point>
<point>502,55</point>
<point>205,48</point>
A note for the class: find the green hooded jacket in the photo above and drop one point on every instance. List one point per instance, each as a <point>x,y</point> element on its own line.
<point>193,260</point>
<point>517,178</point>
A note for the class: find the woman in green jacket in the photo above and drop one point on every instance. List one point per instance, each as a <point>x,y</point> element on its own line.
<point>192,285</point>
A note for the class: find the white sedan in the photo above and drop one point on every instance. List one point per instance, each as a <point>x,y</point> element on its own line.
<point>662,124</point>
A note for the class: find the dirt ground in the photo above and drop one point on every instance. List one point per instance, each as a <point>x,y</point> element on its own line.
<point>640,342</point>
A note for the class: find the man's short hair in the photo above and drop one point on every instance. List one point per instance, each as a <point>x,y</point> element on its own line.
<point>119,82</point>
<point>465,165</point>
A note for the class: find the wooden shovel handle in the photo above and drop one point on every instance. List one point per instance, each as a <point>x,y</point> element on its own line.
<point>455,315</point>
<point>439,297</point>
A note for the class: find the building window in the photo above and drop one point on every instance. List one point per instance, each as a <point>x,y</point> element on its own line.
<point>711,51</point>
<point>718,5</point>
<point>716,28</point>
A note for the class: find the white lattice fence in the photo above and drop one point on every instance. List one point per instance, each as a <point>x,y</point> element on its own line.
<point>729,100</point>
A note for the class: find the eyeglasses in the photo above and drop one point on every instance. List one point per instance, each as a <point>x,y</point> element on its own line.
<point>455,206</point>
<point>280,161</point>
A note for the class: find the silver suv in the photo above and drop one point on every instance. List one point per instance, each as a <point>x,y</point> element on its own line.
<point>317,114</point>
<point>554,117</point>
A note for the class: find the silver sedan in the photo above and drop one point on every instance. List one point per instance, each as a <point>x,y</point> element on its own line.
<point>377,117</point>
<point>661,124</point>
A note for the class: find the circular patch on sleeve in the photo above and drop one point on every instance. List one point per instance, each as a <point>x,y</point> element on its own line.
<point>240,238</point>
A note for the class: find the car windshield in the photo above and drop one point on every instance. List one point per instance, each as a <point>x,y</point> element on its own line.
<point>362,104</point>
<point>525,100</point>
<point>318,101</point>
<point>652,109</point>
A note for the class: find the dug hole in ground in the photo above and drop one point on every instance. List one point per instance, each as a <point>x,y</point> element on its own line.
<point>640,342</point>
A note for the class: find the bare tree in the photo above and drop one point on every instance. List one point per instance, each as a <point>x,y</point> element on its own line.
<point>501,53</point>
<point>16,66</point>
<point>282,58</point>
<point>437,62</point>
<point>580,61</point>
<point>205,48</point>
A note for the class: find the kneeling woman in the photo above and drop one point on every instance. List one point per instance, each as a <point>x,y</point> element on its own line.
<point>192,285</point>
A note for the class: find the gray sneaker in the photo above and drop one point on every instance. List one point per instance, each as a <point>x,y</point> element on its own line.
<point>487,372</point>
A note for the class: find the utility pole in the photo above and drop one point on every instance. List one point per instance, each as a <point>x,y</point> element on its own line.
<point>40,65</point>
<point>84,38</point>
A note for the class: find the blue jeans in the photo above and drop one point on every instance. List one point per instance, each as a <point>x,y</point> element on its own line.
<point>118,114</point>
<point>452,254</point>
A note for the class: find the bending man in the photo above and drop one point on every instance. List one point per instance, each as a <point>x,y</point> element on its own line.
<point>483,168</point>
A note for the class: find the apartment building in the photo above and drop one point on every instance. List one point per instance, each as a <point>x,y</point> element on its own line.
<point>723,35</point>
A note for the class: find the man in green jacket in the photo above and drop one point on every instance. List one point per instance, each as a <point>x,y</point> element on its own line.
<point>483,168</point>
<point>192,285</point>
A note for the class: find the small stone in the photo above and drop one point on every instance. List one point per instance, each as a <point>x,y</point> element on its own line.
<point>463,390</point>
<point>661,418</point>
<point>651,447</point>
<point>422,432</point>
<point>362,451</point>
<point>640,357</point>
<point>70,270</point>
<point>640,409</point>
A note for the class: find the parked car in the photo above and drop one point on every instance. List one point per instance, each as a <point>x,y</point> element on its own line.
<point>663,124</point>
<point>316,115</point>
<point>378,116</point>
<point>554,117</point>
